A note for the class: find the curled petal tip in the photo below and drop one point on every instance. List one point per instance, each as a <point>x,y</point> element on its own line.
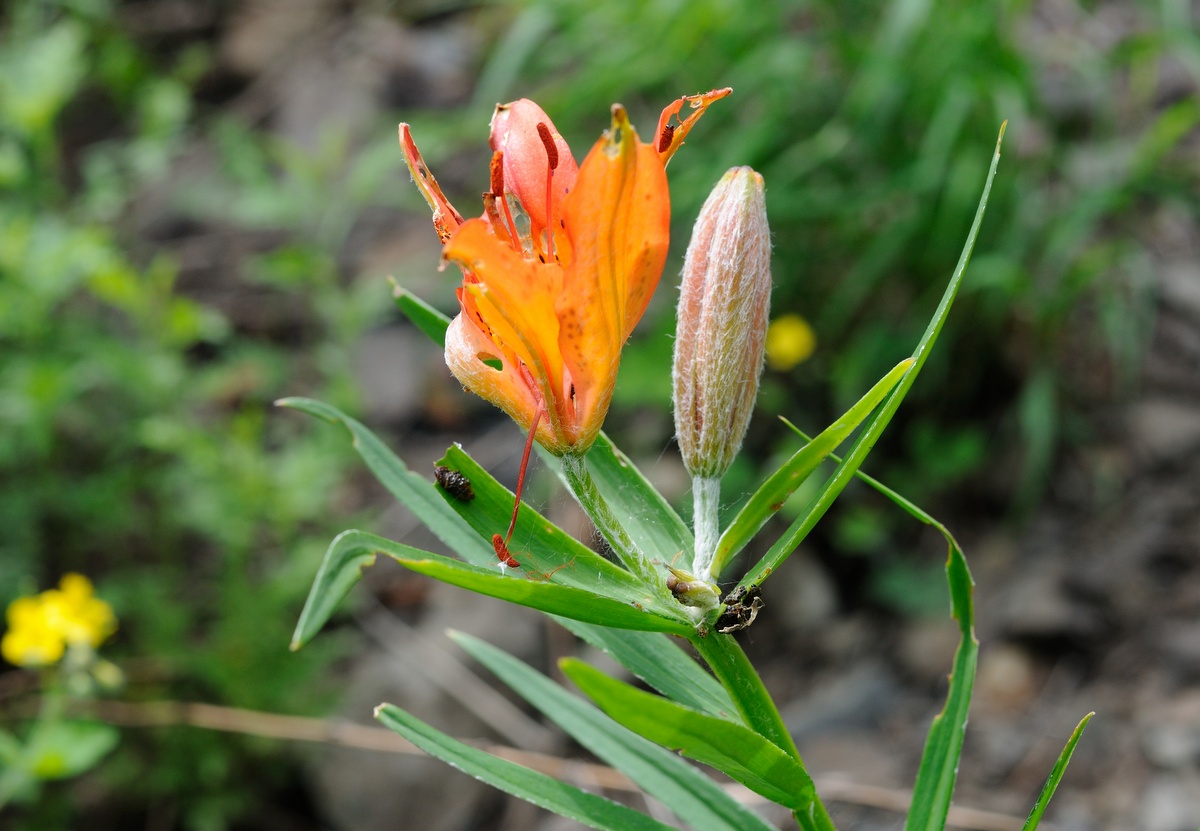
<point>670,133</point>
<point>445,218</point>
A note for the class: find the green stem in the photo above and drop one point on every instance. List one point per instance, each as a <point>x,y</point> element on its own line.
<point>737,675</point>
<point>580,479</point>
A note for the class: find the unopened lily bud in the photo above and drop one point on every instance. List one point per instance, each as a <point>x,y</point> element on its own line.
<point>722,323</point>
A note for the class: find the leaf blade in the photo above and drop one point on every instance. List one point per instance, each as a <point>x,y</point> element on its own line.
<point>661,663</point>
<point>541,547</point>
<point>649,518</point>
<point>1056,775</point>
<point>530,785</point>
<point>425,317</point>
<point>780,485</point>
<point>731,748</point>
<point>416,492</point>
<point>350,551</point>
<point>938,771</point>
<point>833,486</point>
<point>692,796</point>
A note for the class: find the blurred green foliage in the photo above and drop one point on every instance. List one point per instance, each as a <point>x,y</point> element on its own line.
<point>137,440</point>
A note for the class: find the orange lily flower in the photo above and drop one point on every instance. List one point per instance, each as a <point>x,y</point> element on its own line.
<point>560,266</point>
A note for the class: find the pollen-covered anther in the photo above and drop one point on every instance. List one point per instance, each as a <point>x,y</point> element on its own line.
<point>551,164</point>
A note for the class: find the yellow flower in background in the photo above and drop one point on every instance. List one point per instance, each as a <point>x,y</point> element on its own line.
<point>790,341</point>
<point>29,641</point>
<point>40,628</point>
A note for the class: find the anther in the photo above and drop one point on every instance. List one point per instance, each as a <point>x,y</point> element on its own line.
<point>497,174</point>
<point>548,142</point>
<point>552,160</point>
<point>503,554</point>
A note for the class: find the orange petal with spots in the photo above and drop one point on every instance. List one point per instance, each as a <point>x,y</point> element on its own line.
<point>618,222</point>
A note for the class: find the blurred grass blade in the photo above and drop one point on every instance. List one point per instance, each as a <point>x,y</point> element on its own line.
<point>417,493</point>
<point>736,751</point>
<point>650,520</point>
<point>426,318</point>
<point>351,551</point>
<point>771,495</point>
<point>544,550</point>
<point>661,663</point>
<point>538,788</point>
<point>800,528</point>
<point>692,796</point>
<point>1056,775</point>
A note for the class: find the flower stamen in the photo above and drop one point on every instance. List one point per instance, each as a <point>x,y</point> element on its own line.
<point>497,184</point>
<point>552,162</point>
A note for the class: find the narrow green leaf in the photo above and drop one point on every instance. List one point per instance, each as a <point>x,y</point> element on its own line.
<point>544,550</point>
<point>340,569</point>
<point>939,763</point>
<point>732,668</point>
<point>771,495</point>
<point>943,747</point>
<point>426,318</point>
<point>350,551</point>
<point>416,492</point>
<point>800,528</point>
<point>731,748</point>
<point>661,663</point>
<point>1056,775</point>
<point>538,788</point>
<point>909,507</point>
<point>695,798</point>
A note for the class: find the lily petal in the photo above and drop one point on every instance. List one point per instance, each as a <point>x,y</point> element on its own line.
<point>526,165</point>
<point>513,301</point>
<point>445,218</point>
<point>466,347</point>
<point>670,136</point>
<point>618,221</point>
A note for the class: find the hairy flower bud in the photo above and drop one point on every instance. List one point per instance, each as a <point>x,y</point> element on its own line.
<point>722,323</point>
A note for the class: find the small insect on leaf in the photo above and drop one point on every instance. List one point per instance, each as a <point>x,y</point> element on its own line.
<point>453,483</point>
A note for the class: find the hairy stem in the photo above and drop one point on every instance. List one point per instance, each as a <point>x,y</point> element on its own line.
<point>580,480</point>
<point>706,503</point>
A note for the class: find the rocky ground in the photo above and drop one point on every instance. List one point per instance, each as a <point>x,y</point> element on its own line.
<point>1093,605</point>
